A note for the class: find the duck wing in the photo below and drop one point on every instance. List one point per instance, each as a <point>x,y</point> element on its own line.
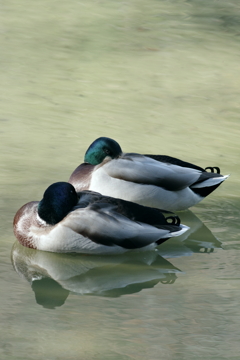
<point>145,170</point>
<point>174,161</point>
<point>102,223</point>
<point>133,211</point>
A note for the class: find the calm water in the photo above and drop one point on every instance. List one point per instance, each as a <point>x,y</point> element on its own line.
<point>159,77</point>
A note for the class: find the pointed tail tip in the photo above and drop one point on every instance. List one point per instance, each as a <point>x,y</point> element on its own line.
<point>222,178</point>
<point>184,228</point>
<point>211,182</point>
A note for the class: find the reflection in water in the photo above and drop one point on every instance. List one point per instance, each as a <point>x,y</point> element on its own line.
<point>49,293</point>
<point>198,239</point>
<point>158,76</point>
<point>53,276</point>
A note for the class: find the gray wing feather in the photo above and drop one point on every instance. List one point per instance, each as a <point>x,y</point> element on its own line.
<point>101,224</point>
<point>144,170</point>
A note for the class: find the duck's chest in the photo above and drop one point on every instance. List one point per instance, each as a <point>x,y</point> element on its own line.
<point>24,220</point>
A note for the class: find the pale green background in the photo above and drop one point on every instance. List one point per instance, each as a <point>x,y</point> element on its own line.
<point>158,77</point>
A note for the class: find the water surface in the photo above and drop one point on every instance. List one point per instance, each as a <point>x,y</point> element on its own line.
<point>159,77</point>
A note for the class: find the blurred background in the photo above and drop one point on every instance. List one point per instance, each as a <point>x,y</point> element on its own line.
<point>160,77</point>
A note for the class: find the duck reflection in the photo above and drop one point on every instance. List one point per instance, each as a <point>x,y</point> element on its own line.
<point>198,239</point>
<point>53,276</point>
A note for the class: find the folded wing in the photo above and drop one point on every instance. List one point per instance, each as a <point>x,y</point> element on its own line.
<point>144,170</point>
<point>103,223</point>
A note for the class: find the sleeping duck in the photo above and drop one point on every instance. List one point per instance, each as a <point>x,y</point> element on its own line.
<point>159,181</point>
<point>87,222</point>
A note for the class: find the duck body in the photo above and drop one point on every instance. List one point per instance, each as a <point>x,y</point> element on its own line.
<point>152,180</point>
<point>87,222</point>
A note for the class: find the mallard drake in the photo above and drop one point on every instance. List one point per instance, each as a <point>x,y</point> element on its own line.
<point>87,222</point>
<point>159,181</point>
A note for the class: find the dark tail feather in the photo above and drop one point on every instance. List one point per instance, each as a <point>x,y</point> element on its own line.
<point>205,191</point>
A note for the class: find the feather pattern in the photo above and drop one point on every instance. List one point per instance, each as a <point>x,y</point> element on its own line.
<point>152,180</point>
<point>92,224</point>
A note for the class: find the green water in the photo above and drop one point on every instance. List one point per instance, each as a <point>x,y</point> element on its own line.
<point>158,77</point>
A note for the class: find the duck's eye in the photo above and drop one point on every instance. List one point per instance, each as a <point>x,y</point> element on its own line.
<point>107,151</point>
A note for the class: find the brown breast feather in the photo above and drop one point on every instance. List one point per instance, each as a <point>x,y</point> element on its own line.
<point>25,218</point>
<point>81,177</point>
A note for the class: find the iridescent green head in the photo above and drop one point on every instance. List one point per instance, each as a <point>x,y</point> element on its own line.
<point>58,200</point>
<point>100,149</point>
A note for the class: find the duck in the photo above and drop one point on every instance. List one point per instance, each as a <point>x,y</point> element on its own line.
<point>158,181</point>
<point>87,222</point>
